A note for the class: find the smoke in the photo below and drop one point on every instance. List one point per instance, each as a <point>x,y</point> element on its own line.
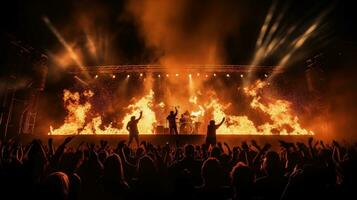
<point>185,32</point>
<point>340,99</point>
<point>181,33</point>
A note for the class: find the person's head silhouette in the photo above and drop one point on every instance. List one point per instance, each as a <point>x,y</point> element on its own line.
<point>171,112</point>
<point>212,122</point>
<point>132,118</point>
<point>189,150</point>
<point>113,169</point>
<point>211,172</point>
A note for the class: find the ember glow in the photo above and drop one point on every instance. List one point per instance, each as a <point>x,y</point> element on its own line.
<point>81,119</point>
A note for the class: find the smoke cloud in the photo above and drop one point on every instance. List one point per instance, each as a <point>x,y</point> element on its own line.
<point>185,32</point>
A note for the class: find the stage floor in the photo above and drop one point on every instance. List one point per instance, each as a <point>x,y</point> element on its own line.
<point>172,139</point>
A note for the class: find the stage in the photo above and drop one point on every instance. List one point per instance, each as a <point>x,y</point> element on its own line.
<point>171,139</point>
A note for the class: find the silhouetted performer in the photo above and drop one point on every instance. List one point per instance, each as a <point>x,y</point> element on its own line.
<point>172,122</point>
<point>132,127</point>
<point>211,132</point>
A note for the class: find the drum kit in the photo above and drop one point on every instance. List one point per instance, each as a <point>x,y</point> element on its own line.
<point>188,125</point>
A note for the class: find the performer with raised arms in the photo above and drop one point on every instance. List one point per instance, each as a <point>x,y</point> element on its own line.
<point>172,122</point>
<point>132,127</point>
<point>211,132</point>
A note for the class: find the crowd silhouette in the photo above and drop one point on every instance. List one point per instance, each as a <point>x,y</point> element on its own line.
<point>246,171</point>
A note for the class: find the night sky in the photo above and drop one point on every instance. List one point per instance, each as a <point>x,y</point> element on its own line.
<point>23,19</point>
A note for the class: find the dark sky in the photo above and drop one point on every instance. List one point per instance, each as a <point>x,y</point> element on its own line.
<point>23,19</point>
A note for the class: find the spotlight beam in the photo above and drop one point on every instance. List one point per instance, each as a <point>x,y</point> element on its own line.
<point>65,44</point>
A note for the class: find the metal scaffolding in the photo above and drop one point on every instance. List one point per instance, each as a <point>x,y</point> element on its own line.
<point>113,69</point>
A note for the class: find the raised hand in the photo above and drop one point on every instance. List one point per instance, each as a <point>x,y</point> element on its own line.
<point>266,147</point>
<point>92,145</point>
<point>301,145</point>
<point>235,150</point>
<point>322,144</point>
<point>335,143</point>
<point>80,146</point>
<point>310,140</point>
<point>283,144</point>
<point>255,144</point>
<point>245,146</point>
<point>68,139</point>
<point>121,144</point>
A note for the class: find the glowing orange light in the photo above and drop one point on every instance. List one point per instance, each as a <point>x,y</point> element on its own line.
<point>81,119</point>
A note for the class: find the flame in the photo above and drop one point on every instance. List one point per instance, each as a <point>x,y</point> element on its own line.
<point>78,113</point>
<point>199,113</point>
<point>161,104</point>
<point>193,99</point>
<point>148,120</point>
<point>233,124</point>
<point>80,118</point>
<point>279,111</point>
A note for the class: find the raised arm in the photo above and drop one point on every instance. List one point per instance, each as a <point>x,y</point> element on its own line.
<point>176,111</point>
<point>218,125</point>
<point>228,149</point>
<point>127,126</point>
<point>141,114</point>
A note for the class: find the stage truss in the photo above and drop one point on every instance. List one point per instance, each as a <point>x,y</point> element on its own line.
<point>114,69</point>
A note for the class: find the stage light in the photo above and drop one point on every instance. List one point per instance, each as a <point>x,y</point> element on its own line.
<point>241,76</point>
<point>158,75</point>
<point>128,76</point>
<point>228,75</point>
<point>198,74</point>
<point>190,75</point>
<point>266,75</point>
<point>177,74</point>
<point>206,75</point>
<point>96,76</point>
<point>113,76</point>
<point>141,74</point>
<point>167,75</point>
<point>214,75</point>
